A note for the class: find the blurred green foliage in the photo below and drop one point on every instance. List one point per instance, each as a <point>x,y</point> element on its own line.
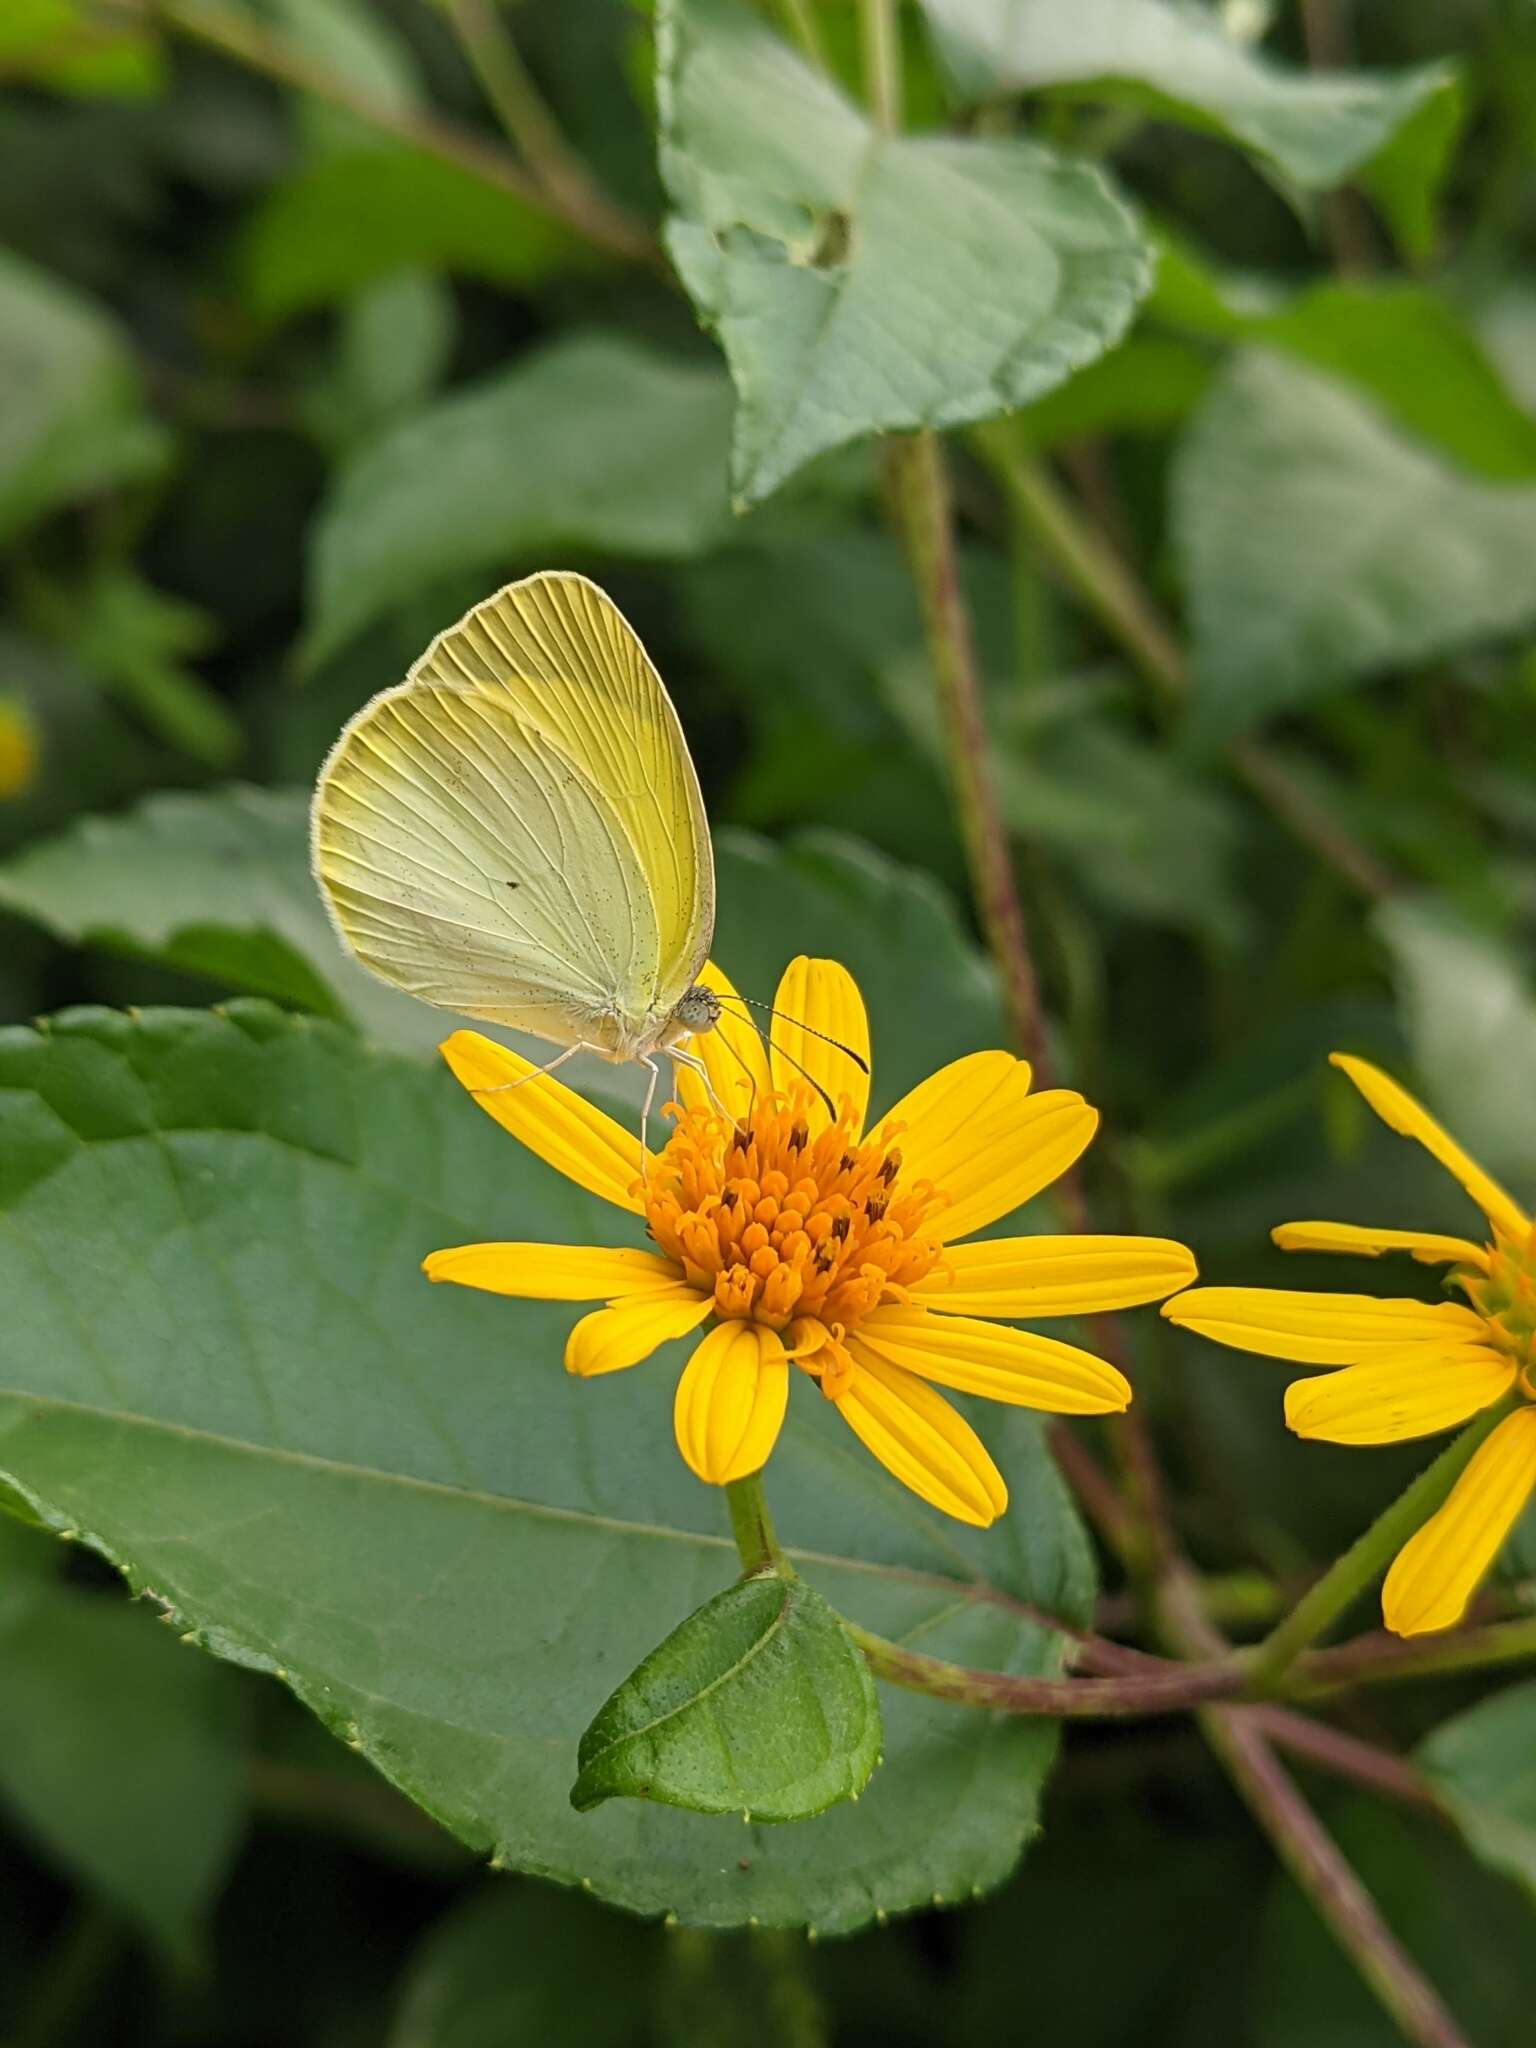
<point>298,357</point>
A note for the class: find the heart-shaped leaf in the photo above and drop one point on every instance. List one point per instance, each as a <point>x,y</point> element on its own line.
<point>1179,62</point>
<point>1319,545</point>
<point>757,1704</point>
<point>862,283</point>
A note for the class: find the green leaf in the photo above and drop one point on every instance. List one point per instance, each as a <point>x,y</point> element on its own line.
<point>595,443</point>
<point>351,217</point>
<point>1406,174</point>
<point>1421,364</point>
<point>1470,1020</point>
<point>1318,546</point>
<point>524,1963</point>
<point>68,48</point>
<point>346,39</point>
<point>1146,385</point>
<point>216,883</point>
<point>1177,62</point>
<point>861,283</point>
<point>241,1390</point>
<point>392,349</point>
<point>89,751</point>
<point>134,637</point>
<point>758,1704</point>
<point>71,422</point>
<point>122,1756</point>
<point>1483,1765</point>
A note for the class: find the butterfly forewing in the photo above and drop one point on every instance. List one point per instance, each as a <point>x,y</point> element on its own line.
<point>516,832</point>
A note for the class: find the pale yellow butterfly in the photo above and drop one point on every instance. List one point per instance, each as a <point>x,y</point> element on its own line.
<point>516,832</point>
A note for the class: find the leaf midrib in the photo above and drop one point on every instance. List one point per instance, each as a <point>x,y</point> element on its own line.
<point>704,1692</point>
<point>977,1589</point>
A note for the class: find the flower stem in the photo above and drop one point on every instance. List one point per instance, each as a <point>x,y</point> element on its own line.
<point>752,1527</point>
<point>1365,1559</point>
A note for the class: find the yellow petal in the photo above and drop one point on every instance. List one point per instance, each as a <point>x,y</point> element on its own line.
<point>1426,1246</point>
<point>1437,1571</point>
<point>552,1272</point>
<point>978,1134</point>
<point>733,1053</point>
<point>1319,1329</point>
<point>1398,1110</point>
<point>550,1119</point>
<point>1414,1393</point>
<point>1054,1276</point>
<point>730,1402</point>
<point>821,996</point>
<point>990,1359</point>
<point>919,1438</point>
<point>611,1338</point>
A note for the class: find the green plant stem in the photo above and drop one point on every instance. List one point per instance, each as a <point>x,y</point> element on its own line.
<point>881,39</point>
<point>800,17</point>
<point>1383,1659</point>
<point>246,41</point>
<point>1111,591</point>
<point>752,1527</point>
<point>529,124</point>
<point>1081,555</point>
<point>1365,1559</point>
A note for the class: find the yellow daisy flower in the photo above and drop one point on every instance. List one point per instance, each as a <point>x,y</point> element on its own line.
<point>1406,1368</point>
<point>805,1239</point>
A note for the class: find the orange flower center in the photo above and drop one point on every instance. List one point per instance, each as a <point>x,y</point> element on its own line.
<point>1505,1297</point>
<point>805,1233</point>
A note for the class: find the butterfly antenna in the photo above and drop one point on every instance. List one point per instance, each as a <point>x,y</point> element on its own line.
<point>740,1059</point>
<point>826,1098</point>
<point>826,1038</point>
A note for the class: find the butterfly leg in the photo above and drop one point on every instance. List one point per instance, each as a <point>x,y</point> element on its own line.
<point>559,1060</point>
<point>695,1065</point>
<point>645,1111</point>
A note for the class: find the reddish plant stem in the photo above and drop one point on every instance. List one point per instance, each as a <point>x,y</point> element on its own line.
<point>243,38</point>
<point>1313,1858</point>
<point>1168,1689</point>
<point>1378,1657</point>
<point>1346,1756</point>
<point>922,492</point>
<point>1237,1740</point>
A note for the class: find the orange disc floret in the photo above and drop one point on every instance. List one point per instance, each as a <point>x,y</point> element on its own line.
<point>779,1224</point>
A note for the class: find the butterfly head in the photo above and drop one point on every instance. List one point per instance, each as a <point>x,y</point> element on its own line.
<point>698,1010</point>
